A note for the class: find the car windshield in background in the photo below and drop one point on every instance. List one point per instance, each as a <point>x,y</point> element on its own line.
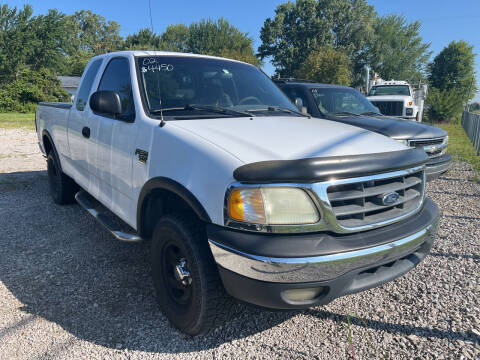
<point>195,87</point>
<point>389,90</point>
<point>342,101</point>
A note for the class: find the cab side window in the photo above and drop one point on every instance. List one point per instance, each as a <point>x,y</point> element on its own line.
<point>117,78</point>
<point>84,91</point>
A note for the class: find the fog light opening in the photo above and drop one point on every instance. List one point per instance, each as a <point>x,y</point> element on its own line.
<point>305,294</point>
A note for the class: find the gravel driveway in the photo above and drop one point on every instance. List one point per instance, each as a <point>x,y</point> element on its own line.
<point>70,290</point>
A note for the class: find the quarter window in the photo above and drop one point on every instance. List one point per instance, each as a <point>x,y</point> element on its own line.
<point>84,91</point>
<point>117,78</point>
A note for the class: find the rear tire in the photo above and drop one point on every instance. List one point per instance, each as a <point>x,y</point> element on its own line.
<point>62,187</point>
<point>185,277</point>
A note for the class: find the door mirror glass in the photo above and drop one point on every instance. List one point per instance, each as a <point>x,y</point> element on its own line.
<point>299,103</point>
<point>106,102</point>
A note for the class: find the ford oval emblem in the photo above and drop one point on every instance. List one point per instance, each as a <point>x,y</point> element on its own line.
<point>390,198</point>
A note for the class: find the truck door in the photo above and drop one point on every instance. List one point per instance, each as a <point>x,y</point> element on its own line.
<point>114,138</point>
<point>78,137</point>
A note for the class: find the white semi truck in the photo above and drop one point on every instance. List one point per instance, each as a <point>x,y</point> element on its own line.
<point>398,99</point>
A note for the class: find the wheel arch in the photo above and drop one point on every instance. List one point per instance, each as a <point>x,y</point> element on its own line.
<point>162,195</point>
<point>47,141</point>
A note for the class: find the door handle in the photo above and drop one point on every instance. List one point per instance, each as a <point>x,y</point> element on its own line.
<point>86,132</point>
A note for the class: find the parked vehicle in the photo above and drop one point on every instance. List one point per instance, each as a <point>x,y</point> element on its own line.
<point>240,194</point>
<point>346,105</point>
<point>398,99</point>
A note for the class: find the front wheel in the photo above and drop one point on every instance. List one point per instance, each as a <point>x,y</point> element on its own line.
<point>185,276</point>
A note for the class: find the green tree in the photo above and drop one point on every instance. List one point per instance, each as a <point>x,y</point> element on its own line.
<point>144,39</point>
<point>398,51</point>
<point>30,87</point>
<point>453,69</point>
<point>326,65</point>
<point>475,106</point>
<point>220,38</point>
<point>90,33</point>
<point>15,41</point>
<point>175,38</point>
<point>301,27</point>
<point>443,105</point>
<point>50,41</point>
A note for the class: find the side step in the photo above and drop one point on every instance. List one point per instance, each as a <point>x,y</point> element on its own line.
<point>98,211</point>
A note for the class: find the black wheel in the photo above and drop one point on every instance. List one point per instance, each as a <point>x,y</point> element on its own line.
<point>62,187</point>
<point>185,276</point>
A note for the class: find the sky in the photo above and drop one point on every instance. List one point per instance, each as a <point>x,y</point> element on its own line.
<point>442,20</point>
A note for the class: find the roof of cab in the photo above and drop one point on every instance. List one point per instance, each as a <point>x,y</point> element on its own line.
<point>138,53</point>
<point>308,84</point>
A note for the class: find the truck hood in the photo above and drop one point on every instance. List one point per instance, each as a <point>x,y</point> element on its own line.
<point>395,128</point>
<point>389,98</point>
<point>287,138</point>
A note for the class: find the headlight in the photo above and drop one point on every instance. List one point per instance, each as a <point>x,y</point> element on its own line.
<point>409,112</point>
<point>403,142</point>
<point>272,206</point>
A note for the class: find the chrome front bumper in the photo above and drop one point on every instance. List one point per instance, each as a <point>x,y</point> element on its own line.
<point>437,166</point>
<point>317,268</point>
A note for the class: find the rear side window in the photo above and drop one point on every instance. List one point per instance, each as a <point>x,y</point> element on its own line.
<point>117,78</point>
<point>84,91</point>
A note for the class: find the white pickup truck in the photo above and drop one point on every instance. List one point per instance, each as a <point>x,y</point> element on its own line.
<point>240,195</point>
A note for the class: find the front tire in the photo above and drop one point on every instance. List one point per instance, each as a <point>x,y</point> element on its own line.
<point>185,277</point>
<point>62,187</point>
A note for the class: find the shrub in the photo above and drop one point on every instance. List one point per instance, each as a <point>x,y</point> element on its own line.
<point>444,105</point>
<point>326,65</point>
<point>29,88</point>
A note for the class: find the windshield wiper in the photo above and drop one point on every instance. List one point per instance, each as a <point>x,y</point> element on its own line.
<point>344,113</point>
<point>280,109</point>
<point>214,109</point>
<point>371,113</point>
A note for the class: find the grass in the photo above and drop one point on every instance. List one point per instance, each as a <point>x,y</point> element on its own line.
<point>461,148</point>
<point>17,120</point>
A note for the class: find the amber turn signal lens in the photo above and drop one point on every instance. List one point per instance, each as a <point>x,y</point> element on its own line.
<point>410,103</point>
<point>235,205</point>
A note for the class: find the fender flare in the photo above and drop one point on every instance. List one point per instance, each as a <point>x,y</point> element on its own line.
<point>163,183</point>
<point>47,134</point>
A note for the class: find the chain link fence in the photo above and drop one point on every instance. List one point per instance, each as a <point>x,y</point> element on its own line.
<point>471,124</point>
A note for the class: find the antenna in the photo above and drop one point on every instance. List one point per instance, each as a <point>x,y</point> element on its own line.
<point>162,123</point>
<point>151,21</point>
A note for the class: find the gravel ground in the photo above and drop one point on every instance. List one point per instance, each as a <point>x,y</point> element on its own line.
<point>69,290</point>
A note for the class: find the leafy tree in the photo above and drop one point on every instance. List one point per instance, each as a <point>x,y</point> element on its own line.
<point>144,39</point>
<point>475,106</point>
<point>50,38</point>
<point>220,38</point>
<point>175,38</point>
<point>397,51</point>
<point>90,33</point>
<point>30,87</point>
<point>15,41</point>
<point>326,65</point>
<point>443,104</point>
<point>453,69</point>
<point>301,27</point>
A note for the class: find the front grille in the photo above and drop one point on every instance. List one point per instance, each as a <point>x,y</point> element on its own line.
<point>433,147</point>
<point>359,203</point>
<point>425,142</point>
<point>392,108</point>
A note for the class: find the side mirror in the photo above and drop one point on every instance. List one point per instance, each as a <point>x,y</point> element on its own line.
<point>106,102</point>
<point>299,103</point>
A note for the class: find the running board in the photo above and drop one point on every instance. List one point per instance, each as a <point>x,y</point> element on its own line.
<point>97,210</point>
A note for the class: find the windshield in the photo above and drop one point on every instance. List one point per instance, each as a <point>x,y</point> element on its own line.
<point>190,86</point>
<point>342,101</point>
<point>389,90</point>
